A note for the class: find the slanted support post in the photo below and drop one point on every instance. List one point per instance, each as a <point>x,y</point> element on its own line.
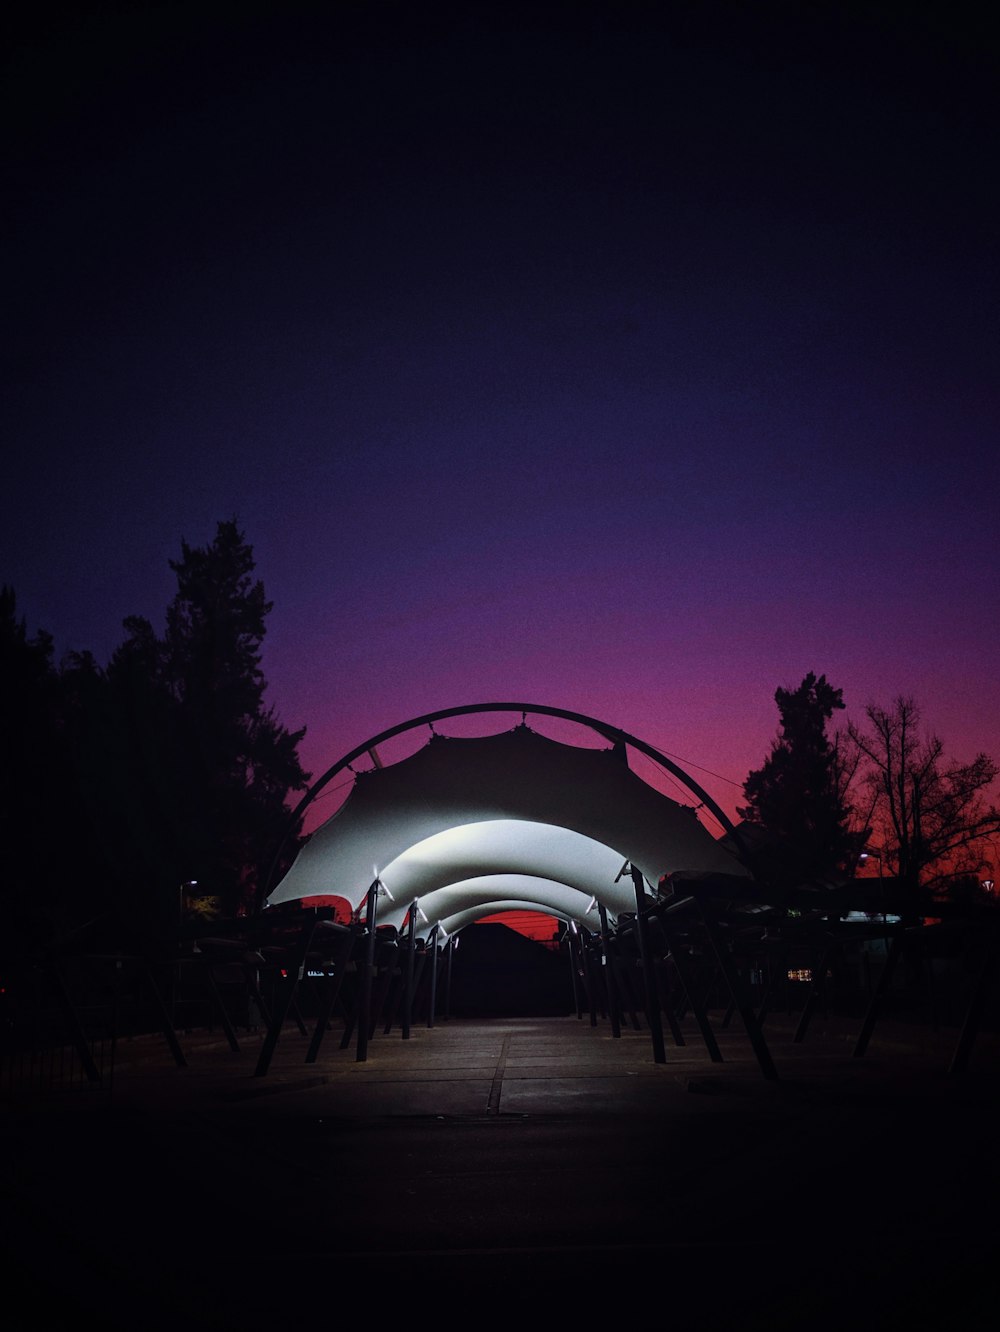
<point>73,1023</point>
<point>588,980</point>
<point>432,1004</point>
<point>295,966</point>
<point>411,939</point>
<point>365,996</point>
<point>166,1026</point>
<point>220,1008</point>
<point>684,971</point>
<point>331,992</point>
<point>893,955</point>
<point>817,990</point>
<point>572,968</point>
<point>608,969</point>
<point>740,999</point>
<point>648,972</point>
<point>450,950</point>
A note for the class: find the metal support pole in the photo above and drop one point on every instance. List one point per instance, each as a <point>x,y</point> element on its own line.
<point>608,968</point>
<point>166,1026</point>
<point>648,973</point>
<point>365,996</point>
<point>411,938</point>
<point>295,966</point>
<point>660,973</point>
<point>884,981</point>
<point>450,950</point>
<point>740,999</point>
<point>330,992</point>
<point>817,989</point>
<point>252,974</point>
<point>433,941</point>
<point>572,971</point>
<point>686,974</point>
<point>588,980</point>
<point>382,984</point>
<point>220,1008</point>
<point>72,1021</point>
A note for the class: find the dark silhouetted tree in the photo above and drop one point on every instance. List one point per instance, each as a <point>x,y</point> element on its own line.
<point>122,780</point>
<point>932,816</point>
<point>214,764</point>
<point>118,786</point>
<point>797,798</point>
<point>51,879</point>
<point>30,762</point>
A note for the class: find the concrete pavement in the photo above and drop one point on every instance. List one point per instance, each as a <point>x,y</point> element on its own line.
<point>488,1166</point>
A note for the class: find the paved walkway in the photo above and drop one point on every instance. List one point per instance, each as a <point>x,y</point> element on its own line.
<point>512,1066</point>
<point>514,1160</point>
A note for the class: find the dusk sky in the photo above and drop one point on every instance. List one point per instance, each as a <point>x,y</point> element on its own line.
<point>629,359</point>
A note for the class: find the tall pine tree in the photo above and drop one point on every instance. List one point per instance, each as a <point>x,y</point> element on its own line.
<point>796,797</point>
<point>215,762</point>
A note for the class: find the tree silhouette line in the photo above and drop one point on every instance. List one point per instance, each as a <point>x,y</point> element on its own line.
<point>884,788</point>
<point>127,789</point>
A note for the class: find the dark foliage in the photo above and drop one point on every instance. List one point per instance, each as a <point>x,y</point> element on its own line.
<point>931,814</point>
<point>32,764</point>
<point>118,786</point>
<point>214,764</point>
<point>796,798</point>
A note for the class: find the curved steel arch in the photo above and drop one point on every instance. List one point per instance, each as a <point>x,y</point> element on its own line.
<point>613,733</point>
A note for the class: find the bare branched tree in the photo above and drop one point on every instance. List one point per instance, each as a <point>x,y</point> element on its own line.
<point>934,815</point>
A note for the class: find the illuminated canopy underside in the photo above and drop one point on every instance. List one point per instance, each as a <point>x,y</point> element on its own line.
<point>506,858</point>
<point>471,826</point>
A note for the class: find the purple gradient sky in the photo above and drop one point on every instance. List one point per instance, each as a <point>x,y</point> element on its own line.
<point>632,365</point>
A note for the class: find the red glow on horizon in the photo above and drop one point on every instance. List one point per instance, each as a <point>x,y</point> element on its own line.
<point>341,906</point>
<point>534,925</point>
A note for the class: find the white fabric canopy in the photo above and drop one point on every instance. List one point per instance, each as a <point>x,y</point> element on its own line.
<point>513,856</point>
<point>460,810</point>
